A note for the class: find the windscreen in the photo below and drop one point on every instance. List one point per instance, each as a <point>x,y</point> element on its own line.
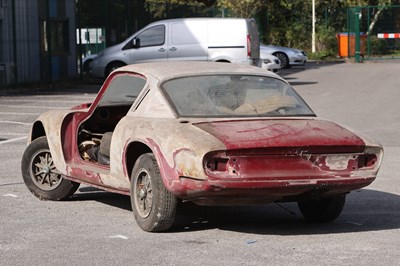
<point>234,96</point>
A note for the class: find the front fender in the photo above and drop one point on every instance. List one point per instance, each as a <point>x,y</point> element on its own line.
<point>52,123</point>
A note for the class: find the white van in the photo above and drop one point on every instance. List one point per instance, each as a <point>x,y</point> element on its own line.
<point>233,40</point>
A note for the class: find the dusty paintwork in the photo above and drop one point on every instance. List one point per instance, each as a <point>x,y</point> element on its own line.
<point>212,160</point>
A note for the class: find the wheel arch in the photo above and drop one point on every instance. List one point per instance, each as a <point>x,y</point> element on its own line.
<point>133,151</point>
<point>37,130</point>
<point>107,68</point>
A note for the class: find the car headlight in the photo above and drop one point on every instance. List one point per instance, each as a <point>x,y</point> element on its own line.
<point>266,61</point>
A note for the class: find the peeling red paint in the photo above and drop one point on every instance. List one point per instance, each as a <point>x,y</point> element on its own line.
<point>309,135</point>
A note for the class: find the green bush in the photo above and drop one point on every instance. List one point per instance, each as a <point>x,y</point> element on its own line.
<point>377,46</point>
<point>320,55</point>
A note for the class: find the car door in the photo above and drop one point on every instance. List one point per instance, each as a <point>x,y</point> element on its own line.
<point>149,45</point>
<point>188,40</point>
<point>87,128</point>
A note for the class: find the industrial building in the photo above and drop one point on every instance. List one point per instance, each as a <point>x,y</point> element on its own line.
<point>37,41</point>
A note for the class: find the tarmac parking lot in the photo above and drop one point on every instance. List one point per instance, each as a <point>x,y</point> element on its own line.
<point>98,228</point>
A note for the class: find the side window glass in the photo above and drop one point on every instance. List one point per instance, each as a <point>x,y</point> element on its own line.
<point>123,90</point>
<point>153,36</point>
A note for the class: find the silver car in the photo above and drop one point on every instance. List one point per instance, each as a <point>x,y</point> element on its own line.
<point>288,56</point>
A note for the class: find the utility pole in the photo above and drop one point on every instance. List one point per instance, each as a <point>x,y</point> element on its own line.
<point>313,27</point>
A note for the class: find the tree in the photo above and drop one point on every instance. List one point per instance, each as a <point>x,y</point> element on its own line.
<point>242,8</point>
<point>178,8</point>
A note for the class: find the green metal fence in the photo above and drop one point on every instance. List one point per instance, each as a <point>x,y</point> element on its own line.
<point>374,32</point>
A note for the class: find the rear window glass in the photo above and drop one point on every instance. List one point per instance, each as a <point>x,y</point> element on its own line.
<point>234,96</point>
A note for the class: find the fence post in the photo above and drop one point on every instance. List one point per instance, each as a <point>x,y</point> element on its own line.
<point>357,15</point>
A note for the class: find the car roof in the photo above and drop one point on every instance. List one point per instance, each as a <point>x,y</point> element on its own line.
<point>167,70</point>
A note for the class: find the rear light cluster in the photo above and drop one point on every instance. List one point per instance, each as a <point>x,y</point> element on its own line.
<point>217,164</point>
<point>367,160</point>
<point>248,45</point>
<point>220,164</point>
<point>371,159</point>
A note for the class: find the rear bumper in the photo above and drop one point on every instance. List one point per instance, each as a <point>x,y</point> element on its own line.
<point>219,192</point>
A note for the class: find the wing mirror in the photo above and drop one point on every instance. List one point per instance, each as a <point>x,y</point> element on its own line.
<point>135,42</point>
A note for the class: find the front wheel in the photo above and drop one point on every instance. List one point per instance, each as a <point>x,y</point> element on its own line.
<point>322,210</point>
<point>154,207</point>
<point>40,174</point>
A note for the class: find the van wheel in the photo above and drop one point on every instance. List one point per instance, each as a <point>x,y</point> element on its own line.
<point>154,207</point>
<point>113,66</point>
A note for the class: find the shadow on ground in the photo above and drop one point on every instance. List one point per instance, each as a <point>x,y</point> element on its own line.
<point>365,210</point>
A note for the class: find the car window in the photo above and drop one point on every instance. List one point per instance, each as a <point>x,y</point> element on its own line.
<point>123,90</point>
<point>152,36</point>
<point>234,96</point>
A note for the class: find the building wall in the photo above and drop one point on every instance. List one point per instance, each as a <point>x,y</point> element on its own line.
<point>28,55</point>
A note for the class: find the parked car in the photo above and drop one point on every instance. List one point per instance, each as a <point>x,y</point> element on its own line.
<point>288,56</point>
<point>233,40</point>
<point>209,133</point>
<point>269,62</point>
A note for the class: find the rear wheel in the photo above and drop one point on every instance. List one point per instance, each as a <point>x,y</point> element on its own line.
<point>154,207</point>
<point>284,59</point>
<point>40,174</point>
<point>322,210</point>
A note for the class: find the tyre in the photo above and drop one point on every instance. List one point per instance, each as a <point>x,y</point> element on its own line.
<point>154,207</point>
<point>322,210</point>
<point>112,66</point>
<point>284,59</point>
<point>40,174</point>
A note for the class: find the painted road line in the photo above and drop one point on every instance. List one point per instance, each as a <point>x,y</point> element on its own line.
<point>12,134</point>
<point>13,140</point>
<point>37,107</point>
<point>17,123</point>
<point>47,101</point>
<point>13,113</point>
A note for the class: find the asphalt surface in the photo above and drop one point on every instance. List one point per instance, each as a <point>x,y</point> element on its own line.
<point>98,228</point>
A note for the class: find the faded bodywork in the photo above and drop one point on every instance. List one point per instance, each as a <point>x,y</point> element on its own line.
<point>214,160</point>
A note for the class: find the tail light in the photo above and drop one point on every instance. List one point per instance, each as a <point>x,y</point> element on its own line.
<point>248,45</point>
<point>371,159</point>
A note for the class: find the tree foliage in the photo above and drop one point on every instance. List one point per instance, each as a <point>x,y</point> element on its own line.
<point>242,8</point>
<point>280,22</point>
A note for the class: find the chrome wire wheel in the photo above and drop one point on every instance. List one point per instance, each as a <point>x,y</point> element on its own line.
<point>43,171</point>
<point>143,193</point>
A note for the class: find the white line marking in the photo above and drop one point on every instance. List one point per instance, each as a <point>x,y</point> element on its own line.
<point>12,113</point>
<point>358,224</point>
<point>37,107</point>
<point>10,195</point>
<point>119,236</point>
<point>13,140</point>
<point>33,98</point>
<point>13,134</point>
<point>17,123</point>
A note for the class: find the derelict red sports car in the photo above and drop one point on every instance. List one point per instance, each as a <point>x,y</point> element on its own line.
<point>210,133</point>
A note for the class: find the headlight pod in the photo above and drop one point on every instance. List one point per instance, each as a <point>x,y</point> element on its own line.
<point>266,61</point>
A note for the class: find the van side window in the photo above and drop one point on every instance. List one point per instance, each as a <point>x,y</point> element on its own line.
<point>153,36</point>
